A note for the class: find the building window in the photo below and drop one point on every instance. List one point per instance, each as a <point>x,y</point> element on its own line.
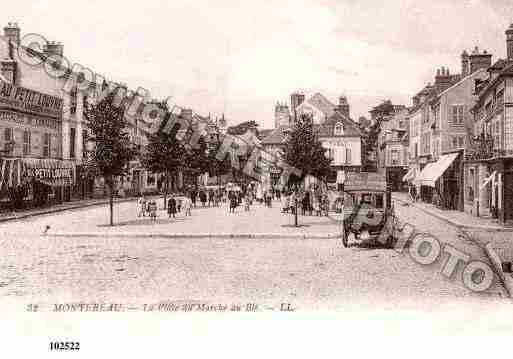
<point>8,138</point>
<point>457,114</point>
<point>26,142</point>
<point>339,129</point>
<point>72,135</point>
<point>73,101</point>
<point>394,155</point>
<point>348,155</point>
<point>461,141</point>
<point>85,139</point>
<point>47,141</point>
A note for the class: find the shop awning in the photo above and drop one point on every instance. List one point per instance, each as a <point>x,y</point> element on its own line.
<point>12,173</point>
<point>17,171</point>
<point>410,175</point>
<point>433,171</point>
<point>483,185</point>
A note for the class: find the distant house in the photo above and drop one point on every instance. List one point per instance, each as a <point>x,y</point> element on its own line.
<point>343,140</point>
<point>318,106</point>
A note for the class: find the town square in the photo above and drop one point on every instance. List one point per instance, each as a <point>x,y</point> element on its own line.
<point>270,158</point>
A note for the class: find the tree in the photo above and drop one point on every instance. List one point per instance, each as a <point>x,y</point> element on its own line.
<point>113,149</point>
<point>217,167</point>
<point>304,151</point>
<point>196,160</point>
<point>371,133</point>
<point>164,153</point>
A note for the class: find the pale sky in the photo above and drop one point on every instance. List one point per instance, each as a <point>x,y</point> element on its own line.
<point>241,57</point>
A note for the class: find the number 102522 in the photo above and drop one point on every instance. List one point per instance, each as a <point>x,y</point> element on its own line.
<point>64,346</point>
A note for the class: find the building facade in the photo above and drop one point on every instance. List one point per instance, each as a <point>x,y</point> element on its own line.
<point>35,117</point>
<point>489,159</point>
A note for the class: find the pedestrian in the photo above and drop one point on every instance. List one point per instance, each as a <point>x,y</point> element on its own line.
<point>179,203</point>
<point>152,209</point>
<point>316,205</point>
<point>193,198</point>
<point>285,203</point>
<point>141,206</point>
<point>246,203</point>
<point>233,203</point>
<point>203,198</point>
<point>210,198</point>
<point>305,201</point>
<point>171,207</point>
<point>187,204</point>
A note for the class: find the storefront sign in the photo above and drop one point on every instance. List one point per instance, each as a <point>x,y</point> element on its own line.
<point>23,119</point>
<point>52,173</point>
<point>365,181</point>
<point>23,99</point>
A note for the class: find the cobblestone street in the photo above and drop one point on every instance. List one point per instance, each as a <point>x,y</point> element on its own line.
<point>310,273</point>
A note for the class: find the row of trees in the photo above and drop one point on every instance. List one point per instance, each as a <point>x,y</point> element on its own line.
<point>166,154</point>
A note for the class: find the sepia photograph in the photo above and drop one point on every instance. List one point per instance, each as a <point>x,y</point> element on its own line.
<point>278,172</point>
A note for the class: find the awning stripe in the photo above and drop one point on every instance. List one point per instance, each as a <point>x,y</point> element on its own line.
<point>409,175</point>
<point>488,180</point>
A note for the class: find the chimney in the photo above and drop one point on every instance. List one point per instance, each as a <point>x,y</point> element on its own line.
<point>479,60</point>
<point>464,64</point>
<point>343,106</point>
<point>12,32</point>
<point>442,79</point>
<point>509,42</point>
<point>53,48</point>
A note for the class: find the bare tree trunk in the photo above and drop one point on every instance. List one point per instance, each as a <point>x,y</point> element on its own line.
<point>110,186</point>
<point>166,189</point>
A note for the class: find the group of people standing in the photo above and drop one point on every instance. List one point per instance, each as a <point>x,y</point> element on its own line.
<point>307,201</point>
<point>211,196</point>
<point>175,204</point>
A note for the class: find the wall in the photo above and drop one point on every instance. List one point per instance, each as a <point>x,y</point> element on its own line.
<point>459,94</point>
<point>338,146</point>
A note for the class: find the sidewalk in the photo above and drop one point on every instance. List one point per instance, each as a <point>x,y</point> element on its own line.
<point>495,240</point>
<point>14,215</point>
<point>456,218</point>
<point>205,222</point>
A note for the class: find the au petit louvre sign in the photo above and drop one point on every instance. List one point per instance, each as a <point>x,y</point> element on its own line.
<point>29,101</point>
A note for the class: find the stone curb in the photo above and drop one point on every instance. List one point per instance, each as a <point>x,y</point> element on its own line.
<point>56,210</point>
<point>496,262</point>
<point>200,235</point>
<point>456,223</point>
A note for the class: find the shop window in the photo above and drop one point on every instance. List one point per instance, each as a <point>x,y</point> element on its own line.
<point>151,180</point>
<point>26,142</point>
<point>47,141</point>
<point>72,135</point>
<point>471,176</point>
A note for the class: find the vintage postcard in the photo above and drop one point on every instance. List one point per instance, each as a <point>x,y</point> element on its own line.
<point>307,171</point>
